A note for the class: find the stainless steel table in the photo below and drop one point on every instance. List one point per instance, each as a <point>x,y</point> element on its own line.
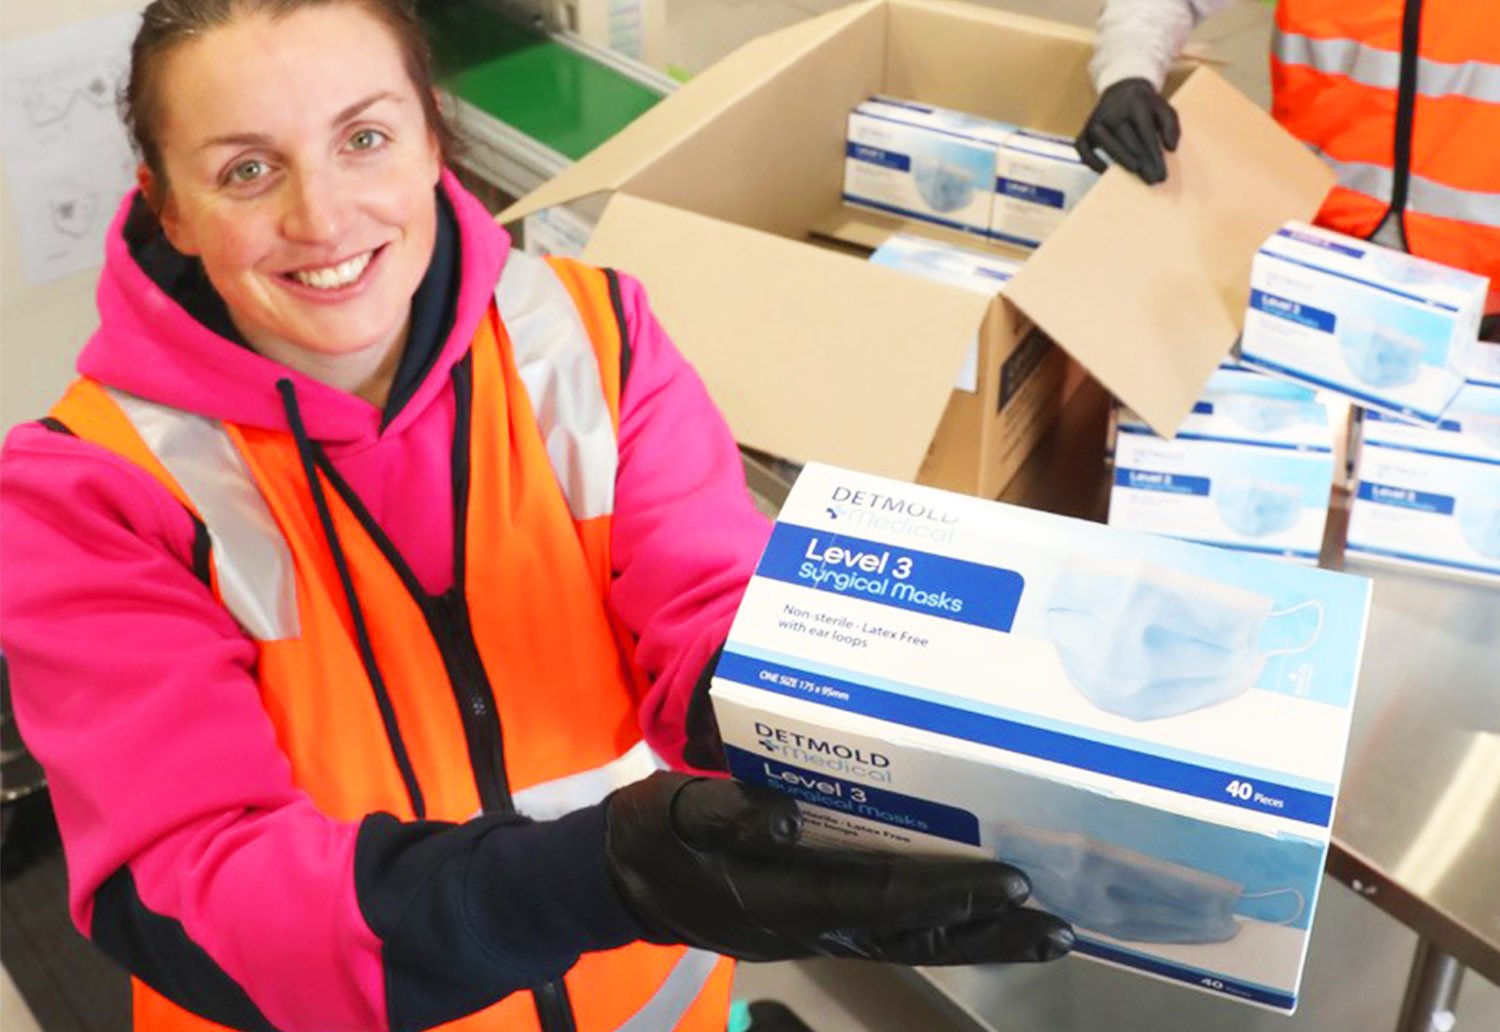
<point>1417,830</point>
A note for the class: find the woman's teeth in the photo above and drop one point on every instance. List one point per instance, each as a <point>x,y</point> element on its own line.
<point>333,277</point>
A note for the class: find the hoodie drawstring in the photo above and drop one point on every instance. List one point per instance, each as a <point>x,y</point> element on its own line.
<point>305,451</point>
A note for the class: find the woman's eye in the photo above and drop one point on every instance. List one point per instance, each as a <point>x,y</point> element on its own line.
<point>367,139</point>
<point>246,171</point>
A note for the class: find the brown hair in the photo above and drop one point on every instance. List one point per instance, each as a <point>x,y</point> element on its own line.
<point>167,24</point>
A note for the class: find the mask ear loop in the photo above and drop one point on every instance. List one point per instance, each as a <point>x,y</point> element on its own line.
<point>1317,629</point>
<point>1301,901</point>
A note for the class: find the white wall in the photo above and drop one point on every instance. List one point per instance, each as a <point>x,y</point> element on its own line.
<point>41,328</point>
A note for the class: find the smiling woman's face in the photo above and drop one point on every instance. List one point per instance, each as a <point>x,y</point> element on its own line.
<point>300,170</point>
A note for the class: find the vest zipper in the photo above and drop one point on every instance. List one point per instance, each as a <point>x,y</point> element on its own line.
<point>448,617</point>
<point>1406,102</point>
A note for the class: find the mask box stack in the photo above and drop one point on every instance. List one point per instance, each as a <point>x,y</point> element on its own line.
<point>1429,497</point>
<point>1153,730</point>
<point>923,162</point>
<point>977,271</point>
<point>960,171</point>
<point>1251,468</point>
<point>1391,331</point>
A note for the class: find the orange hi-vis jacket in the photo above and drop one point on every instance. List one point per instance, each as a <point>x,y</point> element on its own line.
<point>374,688</point>
<point>1402,99</point>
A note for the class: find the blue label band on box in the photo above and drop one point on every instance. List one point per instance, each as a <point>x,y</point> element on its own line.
<point>1228,788</point>
<point>1406,498</point>
<point>1293,311</point>
<point>820,788</point>
<point>875,156</point>
<point>920,582</point>
<point>1032,193</point>
<point>1167,483</point>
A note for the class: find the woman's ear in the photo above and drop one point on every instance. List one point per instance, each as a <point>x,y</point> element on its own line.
<point>159,200</point>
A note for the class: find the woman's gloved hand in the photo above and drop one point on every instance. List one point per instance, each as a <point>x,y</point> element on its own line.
<point>1131,123</point>
<point>717,864</point>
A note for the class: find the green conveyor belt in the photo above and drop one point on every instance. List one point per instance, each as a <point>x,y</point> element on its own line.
<point>529,82</point>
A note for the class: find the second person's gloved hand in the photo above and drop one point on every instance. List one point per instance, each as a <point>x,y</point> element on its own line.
<point>1131,123</point>
<point>717,864</point>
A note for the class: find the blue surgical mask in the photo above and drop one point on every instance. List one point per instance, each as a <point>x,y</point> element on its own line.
<point>945,186</point>
<point>1257,508</point>
<point>1145,642</point>
<point>1104,888</point>
<point>1261,414</point>
<point>1479,519</point>
<point>1381,356</point>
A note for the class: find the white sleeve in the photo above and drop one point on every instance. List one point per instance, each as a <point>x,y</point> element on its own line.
<point>1139,39</point>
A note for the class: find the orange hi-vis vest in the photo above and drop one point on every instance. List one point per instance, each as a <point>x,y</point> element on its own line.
<point>520,668</point>
<point>1402,98</point>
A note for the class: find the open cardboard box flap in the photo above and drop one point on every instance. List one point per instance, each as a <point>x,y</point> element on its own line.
<point>801,380</point>
<point>1146,285</point>
<point>814,354</point>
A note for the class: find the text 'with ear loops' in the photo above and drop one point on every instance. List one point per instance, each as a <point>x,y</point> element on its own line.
<point>1144,641</point>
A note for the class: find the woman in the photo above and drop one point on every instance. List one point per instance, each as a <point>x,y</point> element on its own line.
<point>365,564</point>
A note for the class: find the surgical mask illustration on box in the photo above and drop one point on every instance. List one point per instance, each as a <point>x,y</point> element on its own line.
<point>1148,642</point>
<point>1130,896</point>
<point>922,162</point>
<point>975,271</point>
<point>1390,330</point>
<point>1251,467</point>
<point>1153,730</point>
<point>1429,498</point>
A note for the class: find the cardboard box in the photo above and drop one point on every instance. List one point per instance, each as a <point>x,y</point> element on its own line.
<point>1429,497</point>
<point>1385,328</point>
<point>717,196</point>
<point>1251,468</point>
<point>1153,730</point>
<point>978,271</point>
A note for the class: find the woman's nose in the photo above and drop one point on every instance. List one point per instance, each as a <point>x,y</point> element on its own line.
<point>316,207</point>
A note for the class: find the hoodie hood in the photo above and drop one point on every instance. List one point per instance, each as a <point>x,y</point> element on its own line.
<point>151,345</point>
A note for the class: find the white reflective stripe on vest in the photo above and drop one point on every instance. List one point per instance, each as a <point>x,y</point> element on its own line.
<point>557,364</point>
<point>550,800</point>
<point>1422,195</point>
<point>1372,66</point>
<point>253,564</point>
<point>669,1004</point>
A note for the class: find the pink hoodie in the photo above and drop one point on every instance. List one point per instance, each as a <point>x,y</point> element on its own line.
<point>136,690</point>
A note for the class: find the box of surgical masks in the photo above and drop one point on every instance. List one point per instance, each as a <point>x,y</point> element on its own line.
<point>918,161</point>
<point>1251,468</point>
<point>1389,330</point>
<point>1430,497</point>
<point>977,271</point>
<point>1038,180</point>
<point>1484,364</point>
<point>1152,730</point>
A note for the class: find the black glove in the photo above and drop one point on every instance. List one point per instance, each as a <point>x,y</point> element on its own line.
<point>1131,123</point>
<point>1489,328</point>
<point>717,864</point>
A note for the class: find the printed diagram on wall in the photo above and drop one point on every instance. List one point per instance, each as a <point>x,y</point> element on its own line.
<point>67,158</point>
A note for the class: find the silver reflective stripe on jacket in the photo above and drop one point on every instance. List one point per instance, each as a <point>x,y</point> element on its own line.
<point>556,362</point>
<point>552,799</point>
<point>1373,66</point>
<point>254,566</point>
<point>1422,195</point>
<point>670,1003</point>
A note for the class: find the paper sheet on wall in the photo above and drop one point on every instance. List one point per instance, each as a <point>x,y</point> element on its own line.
<point>67,158</point>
